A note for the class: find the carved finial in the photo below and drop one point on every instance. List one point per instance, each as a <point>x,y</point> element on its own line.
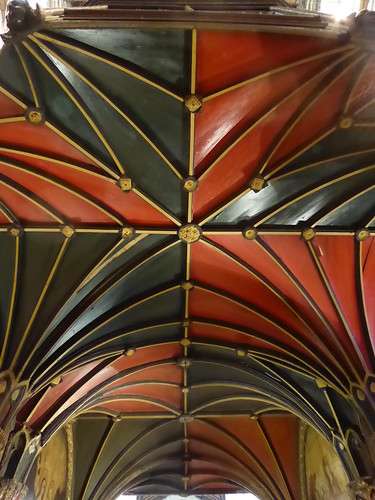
<point>21,17</point>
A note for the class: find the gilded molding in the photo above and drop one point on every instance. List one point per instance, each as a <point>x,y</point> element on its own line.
<point>69,437</point>
<point>11,489</point>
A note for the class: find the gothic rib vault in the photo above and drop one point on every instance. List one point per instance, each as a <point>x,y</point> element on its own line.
<point>187,218</point>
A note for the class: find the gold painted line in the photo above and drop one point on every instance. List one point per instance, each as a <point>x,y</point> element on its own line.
<point>274,291</point>
<point>193,81</point>
<point>282,349</point>
<point>364,107</point>
<point>111,103</point>
<point>45,178</point>
<point>99,451</point>
<point>338,310</point>
<point>312,191</point>
<point>96,230</point>
<point>37,406</point>
<point>156,206</point>
<point>364,124</point>
<point>298,154</point>
<point>321,162</point>
<point>105,261</point>
<point>307,371</point>
<point>5,213</point>
<point>352,198</point>
<point>334,414</point>
<point>214,232</point>
<point>28,76</point>
<point>12,298</point>
<point>154,416</point>
<point>221,208</point>
<point>308,300</point>
<point>268,113</point>
<point>32,201</point>
<point>58,161</point>
<point>82,150</point>
<point>265,479</point>
<point>109,63</point>
<point>13,119</point>
<point>108,320</point>
<point>38,304</point>
<point>188,261</point>
<point>268,320</point>
<point>77,104</point>
<point>304,108</point>
<point>187,298</point>
<point>101,264</point>
<point>123,335</point>
<point>42,337</point>
<point>190,207</point>
<point>263,397</point>
<point>191,144</point>
<point>13,98</point>
<point>42,230</point>
<point>276,458</point>
<point>293,388</point>
<point>363,296</point>
<point>272,72</point>
<point>139,399</point>
<point>129,373</point>
<point>149,231</point>
<point>61,372</point>
<point>354,87</point>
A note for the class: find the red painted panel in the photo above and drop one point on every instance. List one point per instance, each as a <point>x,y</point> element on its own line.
<point>131,406</point>
<point>254,254</point>
<point>40,139</point>
<point>214,268</point>
<point>289,248</point>
<point>9,108</point>
<point>3,219</point>
<point>105,191</point>
<point>148,354</point>
<point>224,118</point>
<point>64,202</point>
<point>226,58</point>
<point>240,163</point>
<point>207,305</point>
<point>22,207</point>
<point>338,261</point>
<point>320,117</point>
<point>227,335</point>
<point>167,394</point>
<point>198,484</point>
<point>363,92</point>
<point>254,440</point>
<point>53,395</point>
<point>169,373</point>
<point>283,433</point>
<point>201,429</point>
<point>368,286</point>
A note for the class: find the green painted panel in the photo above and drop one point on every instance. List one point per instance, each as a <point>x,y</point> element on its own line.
<point>88,434</point>
<point>63,112</point>
<point>166,267</point>
<point>161,117</point>
<point>38,257</point>
<point>123,433</point>
<point>136,251</point>
<point>12,75</point>
<point>160,52</point>
<point>84,250</point>
<point>7,267</point>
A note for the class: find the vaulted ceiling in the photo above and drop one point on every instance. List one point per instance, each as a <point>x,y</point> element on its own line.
<point>187,219</point>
